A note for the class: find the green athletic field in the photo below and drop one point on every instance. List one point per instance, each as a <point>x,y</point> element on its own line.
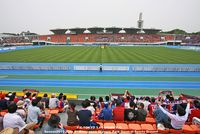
<point>83,54</point>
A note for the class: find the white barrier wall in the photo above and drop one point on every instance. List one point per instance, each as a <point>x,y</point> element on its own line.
<point>166,68</point>
<point>116,68</point>
<point>86,68</point>
<point>104,68</point>
<point>35,67</point>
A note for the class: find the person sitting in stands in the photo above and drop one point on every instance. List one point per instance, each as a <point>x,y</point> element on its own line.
<point>34,96</point>
<point>16,99</point>
<point>175,121</point>
<point>20,110</point>
<point>45,100</point>
<point>152,106</point>
<point>141,113</point>
<point>60,104</point>
<point>118,112</point>
<point>27,100</point>
<point>130,114</point>
<point>196,105</point>
<point>107,100</point>
<point>84,116</point>
<point>146,103</point>
<point>100,103</point>
<point>66,103</point>
<point>106,113</point>
<point>127,102</point>
<point>35,114</point>
<point>12,119</point>
<point>93,101</point>
<point>90,107</point>
<point>72,115</point>
<point>3,102</point>
<point>54,126</point>
<point>53,101</point>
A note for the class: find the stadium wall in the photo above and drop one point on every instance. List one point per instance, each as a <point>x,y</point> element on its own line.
<point>105,67</point>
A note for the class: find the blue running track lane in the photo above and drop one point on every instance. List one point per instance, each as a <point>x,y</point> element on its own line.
<point>97,73</point>
<point>99,83</point>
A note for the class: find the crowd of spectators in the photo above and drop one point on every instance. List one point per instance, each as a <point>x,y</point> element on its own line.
<point>189,39</point>
<point>148,38</point>
<point>25,112</point>
<point>17,39</point>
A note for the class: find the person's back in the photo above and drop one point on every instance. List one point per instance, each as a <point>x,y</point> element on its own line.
<point>84,115</point>
<point>118,112</point>
<point>141,113</point>
<point>3,104</point>
<point>53,126</point>
<point>72,115</point>
<point>45,100</point>
<point>130,114</point>
<point>33,112</point>
<point>106,113</point>
<point>48,130</point>
<point>11,119</point>
<point>53,102</point>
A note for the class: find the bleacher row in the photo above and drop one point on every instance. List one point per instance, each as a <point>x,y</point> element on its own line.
<point>126,128</point>
<point>123,127</point>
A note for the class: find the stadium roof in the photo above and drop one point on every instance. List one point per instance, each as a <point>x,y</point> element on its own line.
<point>113,29</point>
<point>151,31</point>
<point>58,31</point>
<point>77,30</point>
<point>131,30</point>
<point>95,30</point>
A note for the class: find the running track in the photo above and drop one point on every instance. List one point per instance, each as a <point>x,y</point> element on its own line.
<point>99,83</point>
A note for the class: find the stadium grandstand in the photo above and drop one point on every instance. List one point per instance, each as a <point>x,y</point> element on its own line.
<point>99,35</point>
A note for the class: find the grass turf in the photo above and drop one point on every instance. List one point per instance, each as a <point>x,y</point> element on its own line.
<point>85,54</point>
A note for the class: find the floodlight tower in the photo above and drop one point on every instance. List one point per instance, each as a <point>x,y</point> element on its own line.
<point>140,24</point>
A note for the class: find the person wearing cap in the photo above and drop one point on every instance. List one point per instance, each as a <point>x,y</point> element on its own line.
<point>53,101</point>
<point>54,126</point>
<point>20,110</point>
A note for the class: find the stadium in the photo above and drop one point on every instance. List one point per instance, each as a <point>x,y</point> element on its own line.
<point>103,61</point>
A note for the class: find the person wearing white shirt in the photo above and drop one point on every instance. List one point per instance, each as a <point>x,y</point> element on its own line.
<point>53,101</point>
<point>175,121</point>
<point>12,119</point>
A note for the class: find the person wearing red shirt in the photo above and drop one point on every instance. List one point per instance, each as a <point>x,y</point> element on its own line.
<point>118,112</point>
<point>152,106</point>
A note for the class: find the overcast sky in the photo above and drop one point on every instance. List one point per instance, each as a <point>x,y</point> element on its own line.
<point>41,15</point>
